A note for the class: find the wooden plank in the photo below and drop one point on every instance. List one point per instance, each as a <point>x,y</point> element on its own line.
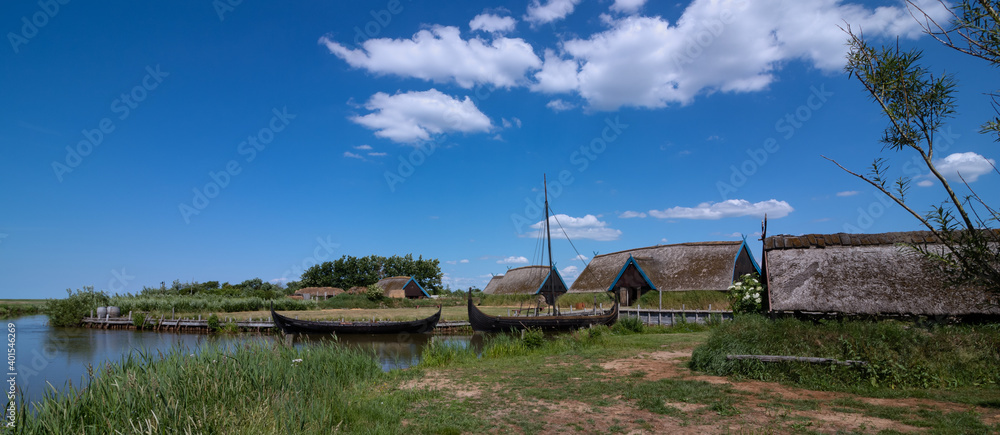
<point>806,359</point>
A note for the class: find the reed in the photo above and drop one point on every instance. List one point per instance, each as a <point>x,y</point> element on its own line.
<point>252,388</point>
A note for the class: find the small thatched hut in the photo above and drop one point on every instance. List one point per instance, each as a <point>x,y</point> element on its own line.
<point>530,280</point>
<point>402,287</point>
<point>492,285</point>
<point>863,274</point>
<point>320,293</point>
<point>678,267</point>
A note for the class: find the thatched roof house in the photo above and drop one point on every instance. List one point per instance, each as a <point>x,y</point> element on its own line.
<point>492,285</point>
<point>402,287</point>
<point>530,280</point>
<point>308,293</point>
<point>867,274</point>
<point>678,267</point>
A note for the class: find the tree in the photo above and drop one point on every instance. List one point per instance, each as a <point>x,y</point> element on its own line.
<point>917,104</point>
<point>348,271</point>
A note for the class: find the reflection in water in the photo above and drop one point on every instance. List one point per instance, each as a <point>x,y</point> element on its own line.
<point>61,356</point>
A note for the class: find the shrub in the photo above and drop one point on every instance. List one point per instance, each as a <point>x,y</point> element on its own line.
<point>72,310</point>
<point>745,295</point>
<point>629,325</point>
<point>139,320</point>
<point>533,338</point>
<point>213,322</point>
<point>374,292</point>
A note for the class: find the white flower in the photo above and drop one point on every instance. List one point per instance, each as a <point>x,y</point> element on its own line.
<point>297,360</point>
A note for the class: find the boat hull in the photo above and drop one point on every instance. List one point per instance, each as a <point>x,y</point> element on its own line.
<point>294,326</point>
<point>483,322</point>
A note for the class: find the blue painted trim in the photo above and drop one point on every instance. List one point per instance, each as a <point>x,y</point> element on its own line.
<point>750,253</point>
<point>418,286</point>
<point>539,289</point>
<point>637,267</point>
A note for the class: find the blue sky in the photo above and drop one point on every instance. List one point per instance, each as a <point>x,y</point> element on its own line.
<point>146,142</point>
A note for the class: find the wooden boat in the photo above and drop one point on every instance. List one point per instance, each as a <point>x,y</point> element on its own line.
<point>481,321</point>
<point>290,326</point>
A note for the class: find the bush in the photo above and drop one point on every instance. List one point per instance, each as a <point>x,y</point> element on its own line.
<point>374,292</point>
<point>533,338</point>
<point>213,323</point>
<point>139,320</point>
<point>72,310</point>
<point>628,325</point>
<point>746,295</point>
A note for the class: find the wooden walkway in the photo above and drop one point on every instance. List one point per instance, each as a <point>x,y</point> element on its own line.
<point>671,317</point>
<point>199,324</point>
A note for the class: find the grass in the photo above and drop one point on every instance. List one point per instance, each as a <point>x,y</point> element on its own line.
<point>689,300</point>
<point>20,307</point>
<point>899,355</point>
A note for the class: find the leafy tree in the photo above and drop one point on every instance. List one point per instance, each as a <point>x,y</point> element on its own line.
<point>917,104</point>
<point>348,271</point>
<point>72,310</point>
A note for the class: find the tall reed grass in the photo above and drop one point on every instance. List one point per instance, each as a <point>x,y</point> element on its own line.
<point>254,388</point>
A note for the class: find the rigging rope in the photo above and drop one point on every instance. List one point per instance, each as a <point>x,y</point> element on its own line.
<point>578,255</point>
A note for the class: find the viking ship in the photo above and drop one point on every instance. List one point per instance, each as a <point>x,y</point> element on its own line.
<point>292,326</point>
<point>483,322</point>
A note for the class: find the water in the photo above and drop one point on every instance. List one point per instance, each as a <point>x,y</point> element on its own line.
<point>48,357</point>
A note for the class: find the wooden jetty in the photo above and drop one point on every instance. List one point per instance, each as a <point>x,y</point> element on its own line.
<point>672,317</point>
<point>201,325</point>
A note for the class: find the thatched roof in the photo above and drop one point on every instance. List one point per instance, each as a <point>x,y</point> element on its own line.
<point>526,280</point>
<point>319,291</point>
<point>867,274</point>
<point>492,285</point>
<point>678,267</point>
<point>397,283</point>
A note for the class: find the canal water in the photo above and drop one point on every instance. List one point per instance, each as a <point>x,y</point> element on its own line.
<point>52,358</point>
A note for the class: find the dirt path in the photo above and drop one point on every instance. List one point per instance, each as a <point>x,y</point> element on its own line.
<point>757,407</point>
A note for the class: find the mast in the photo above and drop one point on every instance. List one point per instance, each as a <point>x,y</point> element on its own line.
<point>548,238</point>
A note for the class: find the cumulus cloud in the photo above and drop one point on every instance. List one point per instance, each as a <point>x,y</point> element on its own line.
<point>363,147</point>
<point>352,155</point>
<point>570,272</point>
<point>628,6</point>
<point>557,74</point>
<point>632,214</point>
<point>587,227</point>
<point>513,260</point>
<point>925,183</point>
<point>415,116</point>
<point>719,46</point>
<point>492,23</point>
<point>559,105</point>
<point>463,261</point>
<point>440,54</point>
<point>580,257</point>
<point>970,165</point>
<point>726,209</point>
<point>848,193</point>
<point>379,154</point>
<point>552,10</point>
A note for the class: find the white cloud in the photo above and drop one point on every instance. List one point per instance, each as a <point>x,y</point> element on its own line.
<point>570,272</point>
<point>512,122</point>
<point>552,10</point>
<point>440,54</point>
<point>663,240</point>
<point>492,23</point>
<point>721,46</point>
<point>970,165</point>
<point>848,193</point>
<point>363,147</point>
<point>587,227</point>
<point>352,155</point>
<point>559,105</point>
<point>377,154</point>
<point>463,261</point>
<point>580,257</point>
<point>729,208</point>
<point>627,6</point>
<point>632,214</point>
<point>557,74</point>
<point>415,116</point>
<point>513,260</point>
<point>925,183</point>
